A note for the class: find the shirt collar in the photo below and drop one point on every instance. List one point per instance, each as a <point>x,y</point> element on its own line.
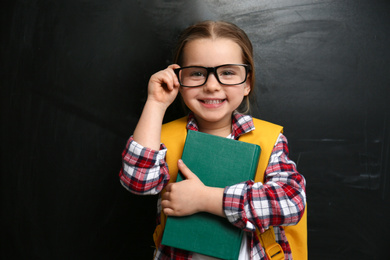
<point>241,124</point>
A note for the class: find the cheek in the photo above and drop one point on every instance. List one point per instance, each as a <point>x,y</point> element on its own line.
<point>182,92</point>
<point>186,94</point>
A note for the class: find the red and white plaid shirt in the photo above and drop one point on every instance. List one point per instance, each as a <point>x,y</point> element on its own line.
<point>278,202</point>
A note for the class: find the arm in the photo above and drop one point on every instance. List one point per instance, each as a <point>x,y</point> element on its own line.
<point>280,201</point>
<point>162,90</point>
<point>144,170</point>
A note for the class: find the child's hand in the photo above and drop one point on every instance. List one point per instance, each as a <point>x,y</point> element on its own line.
<point>191,196</point>
<point>164,86</point>
<point>182,198</point>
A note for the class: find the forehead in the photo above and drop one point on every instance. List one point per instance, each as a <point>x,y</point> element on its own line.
<point>211,52</point>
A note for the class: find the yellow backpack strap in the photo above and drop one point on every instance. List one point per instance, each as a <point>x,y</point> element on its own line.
<point>265,135</point>
<point>297,238</point>
<point>173,135</point>
<point>272,249</point>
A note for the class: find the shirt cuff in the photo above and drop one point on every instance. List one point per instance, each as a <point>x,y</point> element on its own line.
<point>234,205</point>
<point>137,151</point>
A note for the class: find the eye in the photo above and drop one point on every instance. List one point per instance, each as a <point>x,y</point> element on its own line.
<point>194,72</point>
<point>197,74</point>
<point>227,72</point>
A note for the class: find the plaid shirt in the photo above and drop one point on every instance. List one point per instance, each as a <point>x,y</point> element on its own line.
<point>280,201</point>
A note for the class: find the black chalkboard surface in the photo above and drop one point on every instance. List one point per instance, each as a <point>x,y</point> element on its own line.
<point>73,83</point>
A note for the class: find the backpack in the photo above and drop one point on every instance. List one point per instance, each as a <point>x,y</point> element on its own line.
<point>173,135</point>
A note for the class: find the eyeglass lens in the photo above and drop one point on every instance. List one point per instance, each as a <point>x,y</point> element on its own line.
<point>227,75</point>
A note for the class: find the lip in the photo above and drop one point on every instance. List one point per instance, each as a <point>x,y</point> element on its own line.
<point>212,103</point>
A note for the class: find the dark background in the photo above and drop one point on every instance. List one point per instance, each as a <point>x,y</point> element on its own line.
<point>73,83</point>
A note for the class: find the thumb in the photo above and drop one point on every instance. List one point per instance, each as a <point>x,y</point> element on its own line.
<point>174,66</point>
<point>187,173</point>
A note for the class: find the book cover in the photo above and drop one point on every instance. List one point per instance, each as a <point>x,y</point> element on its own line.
<point>218,162</point>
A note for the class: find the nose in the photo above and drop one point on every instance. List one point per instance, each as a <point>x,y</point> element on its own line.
<point>212,83</point>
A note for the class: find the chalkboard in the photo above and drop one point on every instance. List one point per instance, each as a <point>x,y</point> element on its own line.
<point>73,83</point>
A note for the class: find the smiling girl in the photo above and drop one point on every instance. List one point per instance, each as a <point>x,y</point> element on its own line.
<point>214,74</point>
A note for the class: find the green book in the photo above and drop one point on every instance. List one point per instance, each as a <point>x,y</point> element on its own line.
<point>218,162</point>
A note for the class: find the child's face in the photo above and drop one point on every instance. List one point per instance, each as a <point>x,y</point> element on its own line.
<point>213,102</point>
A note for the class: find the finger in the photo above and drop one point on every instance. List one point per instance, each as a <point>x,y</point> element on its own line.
<point>170,80</point>
<point>175,79</point>
<point>161,78</point>
<point>174,66</point>
<point>167,80</point>
<point>168,188</point>
<point>168,211</point>
<point>165,196</point>
<point>165,203</point>
<point>187,173</point>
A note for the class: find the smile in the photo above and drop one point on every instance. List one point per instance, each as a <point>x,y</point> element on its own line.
<point>213,101</point>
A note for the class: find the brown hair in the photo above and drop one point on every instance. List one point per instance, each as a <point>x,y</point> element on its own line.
<point>220,29</point>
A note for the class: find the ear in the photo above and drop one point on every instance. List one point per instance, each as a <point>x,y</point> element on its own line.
<point>247,87</point>
<point>247,90</point>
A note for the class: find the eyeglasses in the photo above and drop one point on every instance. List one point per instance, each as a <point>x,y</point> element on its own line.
<point>227,74</point>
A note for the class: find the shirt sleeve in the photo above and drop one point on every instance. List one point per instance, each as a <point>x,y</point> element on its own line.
<point>280,201</point>
<point>144,171</point>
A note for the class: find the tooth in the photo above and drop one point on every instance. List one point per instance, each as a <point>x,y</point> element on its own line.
<point>212,101</point>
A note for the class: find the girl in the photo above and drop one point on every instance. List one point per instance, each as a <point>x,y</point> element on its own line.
<point>214,74</point>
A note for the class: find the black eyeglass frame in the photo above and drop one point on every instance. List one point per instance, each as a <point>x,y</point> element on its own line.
<point>213,70</point>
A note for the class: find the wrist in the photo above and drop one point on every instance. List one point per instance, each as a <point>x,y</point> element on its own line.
<point>159,104</point>
<point>212,201</point>
<point>156,107</point>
